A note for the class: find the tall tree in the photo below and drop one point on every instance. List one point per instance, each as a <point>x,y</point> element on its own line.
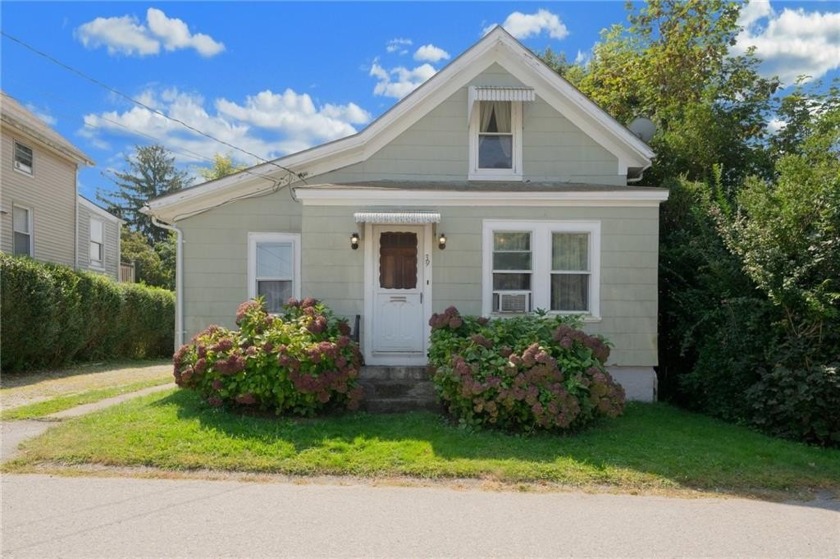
<point>150,172</point>
<point>672,65</point>
<point>223,166</point>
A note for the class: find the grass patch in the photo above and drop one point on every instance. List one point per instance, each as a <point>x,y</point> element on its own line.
<point>61,403</point>
<point>651,447</point>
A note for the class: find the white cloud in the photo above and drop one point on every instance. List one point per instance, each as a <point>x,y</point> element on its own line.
<point>582,58</point>
<point>523,26</point>
<point>42,114</point>
<point>400,81</point>
<point>431,53</point>
<point>127,35</point>
<point>790,43</point>
<point>267,124</point>
<point>398,45</point>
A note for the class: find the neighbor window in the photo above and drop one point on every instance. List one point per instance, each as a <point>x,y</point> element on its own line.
<point>274,268</point>
<point>530,265</point>
<point>23,158</point>
<point>22,227</point>
<point>97,244</point>
<point>496,140</point>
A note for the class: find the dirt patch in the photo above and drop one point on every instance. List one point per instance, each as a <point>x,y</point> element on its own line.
<point>29,388</point>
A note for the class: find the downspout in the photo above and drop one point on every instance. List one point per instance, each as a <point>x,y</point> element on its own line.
<point>179,280</point>
<point>76,205</point>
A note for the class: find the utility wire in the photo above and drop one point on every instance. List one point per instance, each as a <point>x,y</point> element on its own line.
<point>139,103</point>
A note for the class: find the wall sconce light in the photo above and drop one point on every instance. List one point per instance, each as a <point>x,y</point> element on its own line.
<point>442,241</point>
<point>354,241</point>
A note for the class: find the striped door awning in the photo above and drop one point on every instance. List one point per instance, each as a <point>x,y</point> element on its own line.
<point>397,217</point>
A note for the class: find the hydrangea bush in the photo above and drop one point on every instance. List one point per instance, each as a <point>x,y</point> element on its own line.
<point>299,362</point>
<point>521,373</point>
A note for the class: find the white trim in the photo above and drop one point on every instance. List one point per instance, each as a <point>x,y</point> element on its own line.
<point>498,46</point>
<point>541,231</point>
<point>425,260</point>
<point>393,218</point>
<point>101,212</point>
<point>515,172</point>
<point>254,239</point>
<point>30,223</point>
<point>495,93</point>
<point>394,197</point>
<point>19,166</point>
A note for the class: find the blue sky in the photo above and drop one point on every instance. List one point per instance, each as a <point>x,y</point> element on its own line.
<point>272,78</point>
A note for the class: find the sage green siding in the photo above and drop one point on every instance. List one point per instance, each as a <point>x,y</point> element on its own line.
<point>334,273</point>
<point>216,255</point>
<point>436,148</point>
<point>50,195</point>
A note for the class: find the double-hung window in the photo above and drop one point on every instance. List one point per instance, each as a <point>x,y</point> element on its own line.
<point>24,160</point>
<point>97,242</point>
<point>495,117</point>
<point>22,227</point>
<point>549,265</point>
<point>274,268</point>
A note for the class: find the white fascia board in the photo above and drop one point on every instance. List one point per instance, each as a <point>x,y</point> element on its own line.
<point>440,198</point>
<point>103,213</point>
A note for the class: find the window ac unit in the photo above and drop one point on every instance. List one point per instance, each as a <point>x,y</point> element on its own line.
<point>514,302</point>
<point>23,167</point>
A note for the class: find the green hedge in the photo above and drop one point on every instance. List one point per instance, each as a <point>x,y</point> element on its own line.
<point>53,315</point>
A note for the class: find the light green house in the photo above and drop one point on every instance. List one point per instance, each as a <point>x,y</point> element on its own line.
<point>496,187</point>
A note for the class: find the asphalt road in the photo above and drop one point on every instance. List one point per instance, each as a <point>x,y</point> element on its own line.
<point>108,517</point>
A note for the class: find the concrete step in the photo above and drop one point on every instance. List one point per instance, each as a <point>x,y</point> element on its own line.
<point>399,405</point>
<point>417,389</point>
<point>394,373</point>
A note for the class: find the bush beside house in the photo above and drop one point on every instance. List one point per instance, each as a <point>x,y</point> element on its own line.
<point>522,373</point>
<point>300,362</point>
<point>53,315</point>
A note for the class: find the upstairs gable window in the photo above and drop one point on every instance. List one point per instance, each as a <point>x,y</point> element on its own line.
<point>495,115</point>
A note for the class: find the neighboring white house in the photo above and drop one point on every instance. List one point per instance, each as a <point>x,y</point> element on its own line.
<point>496,187</point>
<point>42,214</point>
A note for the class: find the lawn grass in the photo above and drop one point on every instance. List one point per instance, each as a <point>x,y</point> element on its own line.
<point>651,447</point>
<point>61,403</point>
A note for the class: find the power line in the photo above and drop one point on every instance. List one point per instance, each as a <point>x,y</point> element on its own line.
<point>140,103</point>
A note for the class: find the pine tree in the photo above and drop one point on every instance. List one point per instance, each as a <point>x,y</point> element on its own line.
<point>150,173</point>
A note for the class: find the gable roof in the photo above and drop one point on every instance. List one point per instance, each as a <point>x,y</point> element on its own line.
<point>17,117</point>
<point>498,46</point>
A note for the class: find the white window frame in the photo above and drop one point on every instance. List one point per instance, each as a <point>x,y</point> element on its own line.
<point>20,166</point>
<point>541,272</point>
<point>515,172</point>
<point>100,263</point>
<point>256,238</point>
<point>29,224</point>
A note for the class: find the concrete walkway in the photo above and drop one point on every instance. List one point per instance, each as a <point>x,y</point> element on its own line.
<point>15,432</point>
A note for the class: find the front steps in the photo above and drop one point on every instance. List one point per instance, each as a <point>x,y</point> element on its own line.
<point>397,389</point>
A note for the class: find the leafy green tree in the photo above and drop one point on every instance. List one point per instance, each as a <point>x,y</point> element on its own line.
<point>671,63</point>
<point>150,172</point>
<point>787,234</point>
<point>223,166</point>
<point>153,266</point>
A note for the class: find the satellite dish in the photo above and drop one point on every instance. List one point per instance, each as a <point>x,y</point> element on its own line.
<point>643,128</point>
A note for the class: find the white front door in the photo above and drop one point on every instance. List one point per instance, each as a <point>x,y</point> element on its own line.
<point>399,281</point>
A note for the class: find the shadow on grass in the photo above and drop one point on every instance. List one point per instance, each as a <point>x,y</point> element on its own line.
<point>687,450</point>
<point>28,378</point>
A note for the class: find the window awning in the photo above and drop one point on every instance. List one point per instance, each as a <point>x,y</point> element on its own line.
<point>397,217</point>
<point>498,93</point>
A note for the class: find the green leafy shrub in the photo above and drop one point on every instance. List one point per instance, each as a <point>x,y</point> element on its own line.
<point>521,373</point>
<point>53,315</point>
<point>300,362</point>
<point>801,404</point>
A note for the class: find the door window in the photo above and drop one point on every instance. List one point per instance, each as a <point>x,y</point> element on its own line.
<point>398,260</point>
